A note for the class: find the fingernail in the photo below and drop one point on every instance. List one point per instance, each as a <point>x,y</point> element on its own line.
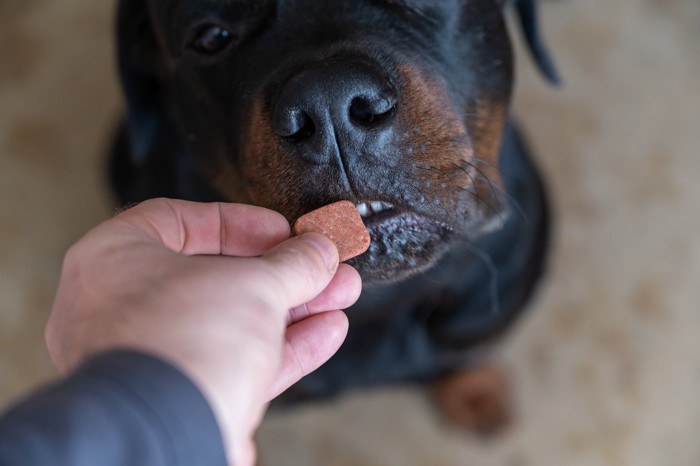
<point>325,247</point>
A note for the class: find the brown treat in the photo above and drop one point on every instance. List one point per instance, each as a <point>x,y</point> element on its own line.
<point>341,223</point>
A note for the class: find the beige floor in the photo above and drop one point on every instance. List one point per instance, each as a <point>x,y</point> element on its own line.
<point>607,365</point>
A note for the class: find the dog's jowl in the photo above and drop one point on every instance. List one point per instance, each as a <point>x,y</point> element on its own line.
<point>399,106</point>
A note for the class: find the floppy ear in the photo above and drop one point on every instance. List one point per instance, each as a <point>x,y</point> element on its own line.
<point>529,22</point>
<point>140,69</point>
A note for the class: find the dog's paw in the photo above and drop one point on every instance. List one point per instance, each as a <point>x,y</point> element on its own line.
<point>477,399</point>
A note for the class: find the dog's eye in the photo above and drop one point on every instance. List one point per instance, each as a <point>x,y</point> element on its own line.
<point>211,38</point>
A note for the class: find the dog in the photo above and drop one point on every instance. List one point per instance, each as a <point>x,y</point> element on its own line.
<point>400,106</point>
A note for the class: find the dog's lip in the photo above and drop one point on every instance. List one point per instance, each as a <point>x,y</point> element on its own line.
<point>382,216</point>
<point>376,213</point>
<point>404,242</point>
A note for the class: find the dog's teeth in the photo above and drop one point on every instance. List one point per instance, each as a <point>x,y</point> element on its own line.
<point>363,209</point>
<point>377,206</point>
<point>367,209</point>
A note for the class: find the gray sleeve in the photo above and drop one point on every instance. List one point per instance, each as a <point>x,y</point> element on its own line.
<point>120,408</point>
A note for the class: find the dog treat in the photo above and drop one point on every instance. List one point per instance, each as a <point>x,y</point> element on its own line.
<point>341,223</point>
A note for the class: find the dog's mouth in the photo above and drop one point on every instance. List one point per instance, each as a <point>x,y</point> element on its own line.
<point>404,242</point>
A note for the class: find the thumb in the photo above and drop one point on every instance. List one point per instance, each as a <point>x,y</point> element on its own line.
<point>301,268</point>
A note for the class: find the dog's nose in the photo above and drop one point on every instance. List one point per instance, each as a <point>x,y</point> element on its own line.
<point>333,104</point>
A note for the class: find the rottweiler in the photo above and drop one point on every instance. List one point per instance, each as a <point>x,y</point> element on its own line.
<point>400,106</point>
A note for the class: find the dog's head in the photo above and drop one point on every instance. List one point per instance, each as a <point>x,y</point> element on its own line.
<point>396,105</point>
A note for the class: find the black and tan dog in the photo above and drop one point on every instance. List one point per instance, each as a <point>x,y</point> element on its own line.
<point>400,106</point>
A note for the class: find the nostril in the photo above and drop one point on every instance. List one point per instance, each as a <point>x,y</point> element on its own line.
<point>294,125</point>
<point>304,128</point>
<point>369,111</point>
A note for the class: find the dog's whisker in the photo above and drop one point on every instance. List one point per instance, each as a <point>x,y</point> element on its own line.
<point>509,198</point>
<point>449,216</point>
<point>473,182</point>
<point>422,195</point>
<point>483,177</point>
<point>473,192</point>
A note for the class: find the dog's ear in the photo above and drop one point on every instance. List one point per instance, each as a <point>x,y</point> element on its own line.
<point>529,23</point>
<point>140,69</point>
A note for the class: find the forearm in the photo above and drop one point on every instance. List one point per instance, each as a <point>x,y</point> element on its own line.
<point>119,408</point>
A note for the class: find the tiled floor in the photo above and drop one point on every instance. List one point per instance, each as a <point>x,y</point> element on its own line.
<point>606,366</point>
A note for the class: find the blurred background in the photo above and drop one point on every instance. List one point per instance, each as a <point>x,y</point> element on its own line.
<point>606,365</point>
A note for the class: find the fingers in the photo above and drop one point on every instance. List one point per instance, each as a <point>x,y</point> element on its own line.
<point>192,228</point>
<point>342,292</point>
<point>308,345</point>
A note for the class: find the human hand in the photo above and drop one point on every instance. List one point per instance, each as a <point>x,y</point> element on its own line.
<point>218,290</point>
